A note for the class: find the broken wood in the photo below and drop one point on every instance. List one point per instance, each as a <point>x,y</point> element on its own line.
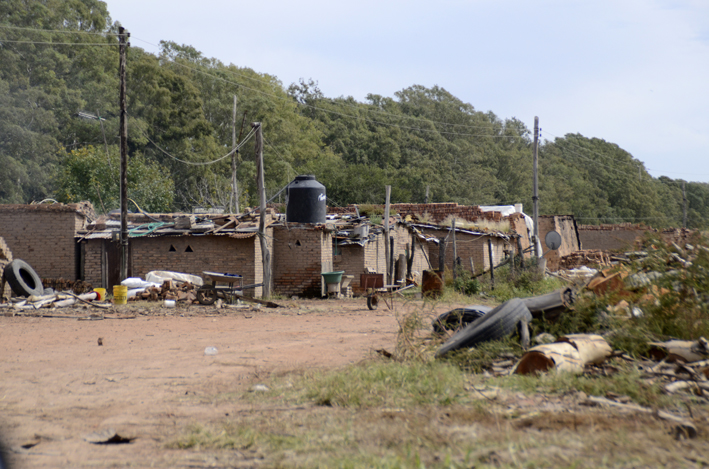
<point>680,350</point>
<point>593,349</point>
<point>685,427</point>
<point>268,304</point>
<point>560,356</point>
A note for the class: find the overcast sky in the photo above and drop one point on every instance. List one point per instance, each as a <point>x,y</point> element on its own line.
<point>632,72</point>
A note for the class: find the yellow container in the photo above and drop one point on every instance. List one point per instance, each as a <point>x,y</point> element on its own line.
<point>101,293</point>
<point>120,294</point>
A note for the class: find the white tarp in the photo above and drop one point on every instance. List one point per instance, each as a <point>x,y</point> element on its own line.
<point>507,210</point>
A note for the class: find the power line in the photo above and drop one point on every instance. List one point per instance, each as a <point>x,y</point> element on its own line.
<point>378,111</point>
<point>246,139</point>
<point>290,100</point>
<point>59,43</point>
<point>613,159</point>
<point>61,31</point>
<point>343,114</point>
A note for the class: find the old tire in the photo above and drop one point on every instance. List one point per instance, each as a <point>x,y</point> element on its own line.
<point>372,301</point>
<point>552,305</point>
<point>497,324</point>
<point>22,278</point>
<point>458,318</point>
<point>206,296</point>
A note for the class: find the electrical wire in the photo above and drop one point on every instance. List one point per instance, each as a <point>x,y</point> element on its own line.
<point>290,100</point>
<point>566,150</point>
<point>233,150</point>
<point>3,41</point>
<point>61,31</point>
<point>398,116</point>
<point>613,159</point>
<point>458,134</point>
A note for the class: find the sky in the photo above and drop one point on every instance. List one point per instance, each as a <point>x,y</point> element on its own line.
<point>631,72</point>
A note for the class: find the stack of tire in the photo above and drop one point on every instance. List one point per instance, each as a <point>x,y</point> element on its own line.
<point>22,278</point>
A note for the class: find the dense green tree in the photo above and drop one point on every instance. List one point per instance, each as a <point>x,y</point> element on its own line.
<point>91,174</point>
<point>180,109</point>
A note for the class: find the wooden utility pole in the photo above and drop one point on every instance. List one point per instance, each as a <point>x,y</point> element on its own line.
<point>535,196</point>
<point>265,255</point>
<point>387,253</point>
<point>492,264</point>
<point>123,44</point>
<point>684,205</point>
<point>442,254</point>
<point>234,188</point>
<point>455,251</point>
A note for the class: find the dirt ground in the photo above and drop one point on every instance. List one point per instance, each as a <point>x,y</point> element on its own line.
<point>150,377</point>
<point>58,385</point>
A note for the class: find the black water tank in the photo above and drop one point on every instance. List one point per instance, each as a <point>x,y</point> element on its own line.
<point>306,201</point>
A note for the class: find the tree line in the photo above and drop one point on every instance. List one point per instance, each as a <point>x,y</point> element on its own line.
<point>180,112</point>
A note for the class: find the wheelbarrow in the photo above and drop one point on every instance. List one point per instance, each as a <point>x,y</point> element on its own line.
<point>226,286</point>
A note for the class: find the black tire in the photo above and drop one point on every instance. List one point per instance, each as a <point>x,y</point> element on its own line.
<point>22,278</point>
<point>372,301</point>
<point>206,296</point>
<point>552,305</point>
<point>497,324</point>
<point>459,318</point>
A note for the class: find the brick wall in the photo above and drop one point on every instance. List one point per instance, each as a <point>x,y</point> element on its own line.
<point>186,254</point>
<point>92,250</point>
<point>610,237</point>
<point>43,236</point>
<point>565,225</point>
<point>468,247</point>
<point>300,253</point>
<point>436,213</point>
<point>355,259</point>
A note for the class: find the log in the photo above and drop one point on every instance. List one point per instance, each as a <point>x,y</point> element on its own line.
<point>560,356</point>
<point>684,350</point>
<point>593,349</point>
<point>570,353</point>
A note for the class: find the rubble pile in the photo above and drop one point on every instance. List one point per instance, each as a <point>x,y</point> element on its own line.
<point>60,284</point>
<point>183,293</point>
<point>586,257</point>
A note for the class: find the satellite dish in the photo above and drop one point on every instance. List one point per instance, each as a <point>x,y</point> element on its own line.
<point>552,240</point>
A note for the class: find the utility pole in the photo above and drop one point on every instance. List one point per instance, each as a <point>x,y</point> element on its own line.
<point>387,252</point>
<point>455,251</point>
<point>265,255</point>
<point>535,197</point>
<point>123,44</point>
<point>234,188</point>
<point>684,206</point>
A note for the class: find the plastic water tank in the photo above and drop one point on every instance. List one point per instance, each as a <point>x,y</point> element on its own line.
<point>306,200</point>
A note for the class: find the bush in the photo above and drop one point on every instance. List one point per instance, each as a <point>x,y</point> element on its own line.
<point>465,284</point>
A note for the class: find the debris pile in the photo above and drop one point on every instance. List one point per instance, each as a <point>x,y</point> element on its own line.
<point>587,257</point>
<point>60,284</point>
<point>170,290</point>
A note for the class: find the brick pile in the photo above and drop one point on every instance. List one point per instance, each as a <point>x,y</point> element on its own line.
<point>435,213</point>
<point>183,293</point>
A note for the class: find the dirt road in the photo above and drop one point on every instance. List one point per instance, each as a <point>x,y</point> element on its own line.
<point>150,380</point>
<point>58,385</point>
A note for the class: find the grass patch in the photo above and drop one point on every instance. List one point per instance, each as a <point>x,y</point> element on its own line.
<point>628,381</point>
<point>480,358</point>
<point>384,384</point>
